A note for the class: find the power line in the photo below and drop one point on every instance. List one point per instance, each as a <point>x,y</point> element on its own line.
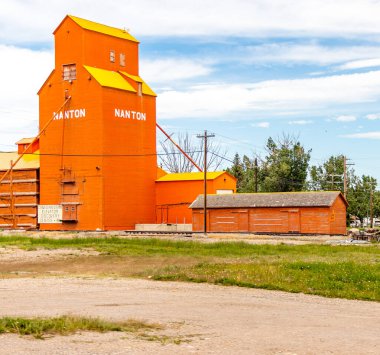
<point>109,155</point>
<point>221,157</point>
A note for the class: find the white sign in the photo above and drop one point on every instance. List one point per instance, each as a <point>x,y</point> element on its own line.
<point>49,214</point>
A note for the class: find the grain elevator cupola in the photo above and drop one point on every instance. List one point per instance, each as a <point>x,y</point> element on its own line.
<point>98,155</point>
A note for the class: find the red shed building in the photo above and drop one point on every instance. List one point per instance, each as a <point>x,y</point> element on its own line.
<point>291,212</point>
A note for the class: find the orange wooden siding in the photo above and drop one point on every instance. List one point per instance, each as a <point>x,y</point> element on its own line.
<point>74,44</point>
<point>103,164</point>
<point>73,149</point>
<point>18,203</point>
<point>24,143</point>
<point>174,197</point>
<point>338,217</point>
<point>303,220</point>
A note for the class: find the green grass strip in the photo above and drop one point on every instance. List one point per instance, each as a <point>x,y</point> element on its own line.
<point>160,247</point>
<point>65,325</point>
<point>341,280</point>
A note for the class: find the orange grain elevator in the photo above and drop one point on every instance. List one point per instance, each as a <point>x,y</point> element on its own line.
<point>98,154</point>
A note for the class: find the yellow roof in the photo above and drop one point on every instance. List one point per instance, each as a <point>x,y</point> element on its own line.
<point>190,176</point>
<point>28,161</point>
<point>109,79</point>
<point>107,30</point>
<point>25,141</point>
<point>146,90</point>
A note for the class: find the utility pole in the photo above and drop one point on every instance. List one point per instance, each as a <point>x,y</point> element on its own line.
<point>332,180</point>
<point>256,167</point>
<point>345,175</point>
<point>205,136</point>
<point>371,207</point>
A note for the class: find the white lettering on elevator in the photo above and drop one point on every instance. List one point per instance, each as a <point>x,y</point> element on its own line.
<point>132,115</point>
<point>68,114</point>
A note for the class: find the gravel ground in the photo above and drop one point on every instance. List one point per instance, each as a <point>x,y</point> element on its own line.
<point>209,319</point>
<point>14,254</point>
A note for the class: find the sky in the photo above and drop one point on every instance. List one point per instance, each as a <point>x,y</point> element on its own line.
<point>243,70</point>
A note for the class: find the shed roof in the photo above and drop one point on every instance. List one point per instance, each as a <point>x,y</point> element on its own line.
<point>98,27</point>
<point>25,140</point>
<point>28,161</point>
<point>276,199</point>
<point>109,79</point>
<point>190,176</point>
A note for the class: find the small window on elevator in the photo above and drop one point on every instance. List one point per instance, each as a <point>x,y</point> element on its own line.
<point>112,56</point>
<point>69,72</point>
<point>122,59</point>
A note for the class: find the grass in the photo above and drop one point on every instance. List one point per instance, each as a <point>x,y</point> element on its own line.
<point>160,247</point>
<point>343,271</point>
<point>39,328</point>
<point>342,280</point>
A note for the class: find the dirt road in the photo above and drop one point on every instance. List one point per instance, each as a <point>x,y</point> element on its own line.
<point>208,319</point>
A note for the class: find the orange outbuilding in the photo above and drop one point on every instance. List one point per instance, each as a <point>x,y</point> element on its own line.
<point>98,153</point>
<point>175,192</point>
<point>19,187</point>
<point>321,212</point>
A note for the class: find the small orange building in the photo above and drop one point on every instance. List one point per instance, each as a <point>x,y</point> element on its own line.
<point>292,212</point>
<point>98,154</point>
<point>19,190</point>
<point>175,192</point>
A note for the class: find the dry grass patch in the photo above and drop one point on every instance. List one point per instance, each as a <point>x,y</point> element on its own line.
<point>98,266</point>
<point>39,328</point>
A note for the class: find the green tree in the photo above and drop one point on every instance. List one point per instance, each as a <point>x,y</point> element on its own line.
<point>329,175</point>
<point>286,165</point>
<point>359,197</point>
<point>248,181</point>
<point>244,170</point>
<point>237,170</point>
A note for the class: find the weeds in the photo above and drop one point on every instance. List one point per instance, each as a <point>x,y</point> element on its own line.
<point>39,328</point>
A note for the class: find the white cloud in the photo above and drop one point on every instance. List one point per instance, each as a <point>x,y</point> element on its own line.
<point>373,116</point>
<point>366,135</point>
<point>312,53</point>
<point>300,122</point>
<point>261,124</point>
<point>22,72</point>
<point>365,63</point>
<point>171,69</point>
<point>21,21</point>
<point>217,100</point>
<point>345,118</point>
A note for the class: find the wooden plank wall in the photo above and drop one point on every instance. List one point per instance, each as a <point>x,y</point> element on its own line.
<point>306,220</point>
<point>25,193</point>
<point>338,222</point>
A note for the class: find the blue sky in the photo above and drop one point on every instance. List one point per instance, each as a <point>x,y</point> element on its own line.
<point>245,70</point>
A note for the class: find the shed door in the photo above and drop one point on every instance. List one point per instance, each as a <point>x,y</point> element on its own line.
<point>294,221</point>
<point>243,221</point>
